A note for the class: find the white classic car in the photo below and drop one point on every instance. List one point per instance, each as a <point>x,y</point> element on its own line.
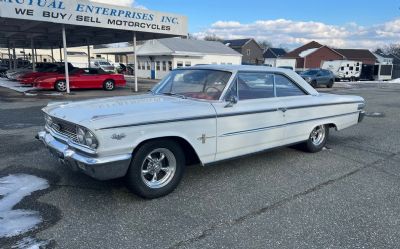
<point>197,115</point>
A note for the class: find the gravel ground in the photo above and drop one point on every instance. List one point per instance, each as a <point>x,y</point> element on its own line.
<point>346,196</point>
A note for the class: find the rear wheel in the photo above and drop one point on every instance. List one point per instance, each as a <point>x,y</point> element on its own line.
<point>156,169</point>
<point>108,85</point>
<point>317,140</point>
<point>61,86</point>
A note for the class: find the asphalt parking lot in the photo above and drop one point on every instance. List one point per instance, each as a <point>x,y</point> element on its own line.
<point>347,196</point>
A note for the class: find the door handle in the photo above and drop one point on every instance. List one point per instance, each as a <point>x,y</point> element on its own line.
<point>282,109</point>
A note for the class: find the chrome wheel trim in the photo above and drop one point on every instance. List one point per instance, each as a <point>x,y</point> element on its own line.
<point>317,136</point>
<point>62,85</point>
<point>109,85</point>
<point>158,168</point>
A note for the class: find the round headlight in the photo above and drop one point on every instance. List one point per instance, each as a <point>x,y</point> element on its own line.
<point>80,133</point>
<point>85,137</point>
<point>91,140</point>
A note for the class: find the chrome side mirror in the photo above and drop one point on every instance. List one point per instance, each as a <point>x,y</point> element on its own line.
<point>231,101</point>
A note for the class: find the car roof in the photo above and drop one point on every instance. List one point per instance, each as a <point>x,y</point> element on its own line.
<point>239,68</point>
<point>248,68</point>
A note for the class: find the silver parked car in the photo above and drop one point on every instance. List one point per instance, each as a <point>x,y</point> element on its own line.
<point>318,77</point>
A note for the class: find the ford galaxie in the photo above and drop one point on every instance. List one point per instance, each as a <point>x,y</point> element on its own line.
<point>196,115</point>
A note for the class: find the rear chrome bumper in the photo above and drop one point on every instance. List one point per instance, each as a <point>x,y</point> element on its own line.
<point>101,168</point>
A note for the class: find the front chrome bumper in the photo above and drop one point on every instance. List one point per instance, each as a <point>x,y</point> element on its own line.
<point>361,116</point>
<point>101,168</point>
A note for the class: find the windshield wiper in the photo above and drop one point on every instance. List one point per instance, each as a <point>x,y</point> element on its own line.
<point>175,94</point>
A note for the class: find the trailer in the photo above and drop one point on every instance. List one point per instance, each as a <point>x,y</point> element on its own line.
<point>344,69</point>
<point>383,72</point>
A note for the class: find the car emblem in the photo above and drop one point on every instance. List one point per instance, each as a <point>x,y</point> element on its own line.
<point>118,136</point>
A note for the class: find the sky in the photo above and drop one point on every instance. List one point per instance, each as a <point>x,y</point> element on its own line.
<point>288,23</point>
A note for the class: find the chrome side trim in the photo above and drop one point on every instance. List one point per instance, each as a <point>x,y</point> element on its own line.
<point>221,115</point>
<point>160,122</point>
<point>320,105</point>
<point>283,125</point>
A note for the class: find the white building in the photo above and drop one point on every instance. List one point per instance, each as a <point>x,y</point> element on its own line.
<point>156,58</point>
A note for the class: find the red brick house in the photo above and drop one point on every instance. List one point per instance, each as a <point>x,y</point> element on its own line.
<point>312,55</point>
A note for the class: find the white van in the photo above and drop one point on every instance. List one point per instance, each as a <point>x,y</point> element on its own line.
<point>344,69</point>
<point>103,64</point>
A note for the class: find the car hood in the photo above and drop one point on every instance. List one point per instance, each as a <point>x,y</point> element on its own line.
<point>125,111</point>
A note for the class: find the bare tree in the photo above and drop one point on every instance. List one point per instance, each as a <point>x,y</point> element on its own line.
<point>391,49</point>
<point>190,36</point>
<point>213,37</point>
<point>264,44</point>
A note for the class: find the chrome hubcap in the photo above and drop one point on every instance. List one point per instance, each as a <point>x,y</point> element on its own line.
<point>62,85</point>
<point>158,168</point>
<point>318,135</point>
<point>109,85</point>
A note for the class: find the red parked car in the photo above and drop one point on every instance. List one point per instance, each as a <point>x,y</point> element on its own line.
<point>50,70</point>
<point>81,78</point>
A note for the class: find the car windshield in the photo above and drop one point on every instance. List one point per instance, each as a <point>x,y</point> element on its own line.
<point>104,63</point>
<point>198,84</point>
<point>310,72</point>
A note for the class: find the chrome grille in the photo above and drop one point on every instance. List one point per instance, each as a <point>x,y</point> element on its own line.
<point>65,129</point>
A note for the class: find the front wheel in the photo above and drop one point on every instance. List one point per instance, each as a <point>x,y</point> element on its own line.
<point>314,84</point>
<point>61,86</point>
<point>317,140</point>
<point>330,84</point>
<point>156,169</point>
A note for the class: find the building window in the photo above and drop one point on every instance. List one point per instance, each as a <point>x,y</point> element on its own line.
<point>248,52</point>
<point>188,64</point>
<point>98,56</point>
<point>139,65</point>
<point>158,68</point>
<point>170,65</point>
<point>149,65</point>
<point>164,66</point>
<point>179,64</point>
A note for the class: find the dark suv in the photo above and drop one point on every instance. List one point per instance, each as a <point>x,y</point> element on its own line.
<point>317,77</point>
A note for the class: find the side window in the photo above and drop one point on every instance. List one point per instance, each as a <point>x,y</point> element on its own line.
<point>286,88</point>
<point>255,85</point>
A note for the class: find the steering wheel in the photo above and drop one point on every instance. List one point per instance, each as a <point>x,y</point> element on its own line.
<point>212,87</point>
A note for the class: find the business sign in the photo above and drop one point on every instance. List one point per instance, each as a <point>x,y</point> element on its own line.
<point>85,13</point>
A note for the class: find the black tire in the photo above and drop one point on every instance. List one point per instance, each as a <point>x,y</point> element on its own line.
<point>310,146</point>
<point>314,84</point>
<point>60,86</point>
<point>109,85</point>
<point>138,182</point>
<point>330,84</point>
